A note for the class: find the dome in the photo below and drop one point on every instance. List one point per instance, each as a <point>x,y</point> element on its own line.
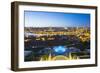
<point>59,49</point>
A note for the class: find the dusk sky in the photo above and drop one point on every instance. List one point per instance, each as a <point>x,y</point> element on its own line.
<point>56,19</point>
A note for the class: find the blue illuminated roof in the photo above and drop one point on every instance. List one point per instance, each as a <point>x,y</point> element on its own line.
<point>59,49</point>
